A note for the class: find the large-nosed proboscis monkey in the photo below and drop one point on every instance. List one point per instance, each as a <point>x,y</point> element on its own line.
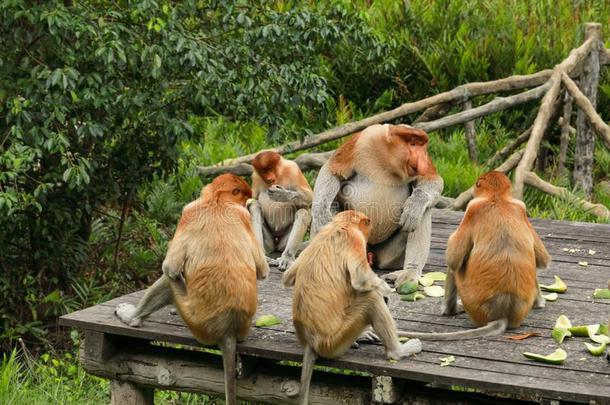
<point>212,264</point>
<point>492,262</point>
<point>385,172</point>
<point>225,236</point>
<point>281,207</point>
<point>337,295</point>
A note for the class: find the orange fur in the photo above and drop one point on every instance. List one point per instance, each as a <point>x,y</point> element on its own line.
<point>341,163</point>
<point>216,246</point>
<point>494,254</point>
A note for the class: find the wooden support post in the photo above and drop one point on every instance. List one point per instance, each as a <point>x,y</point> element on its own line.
<point>387,390</point>
<point>564,139</point>
<point>471,136</point>
<point>585,139</point>
<point>127,393</point>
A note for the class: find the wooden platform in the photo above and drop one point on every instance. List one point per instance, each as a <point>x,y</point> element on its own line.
<point>484,369</point>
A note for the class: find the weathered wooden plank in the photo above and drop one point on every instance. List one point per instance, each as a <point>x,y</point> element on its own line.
<point>128,393</point>
<point>181,370</point>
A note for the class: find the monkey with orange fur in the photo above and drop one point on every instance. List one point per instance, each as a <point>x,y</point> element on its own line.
<point>327,324</point>
<point>492,260</point>
<point>281,210</point>
<point>210,271</point>
<point>385,172</point>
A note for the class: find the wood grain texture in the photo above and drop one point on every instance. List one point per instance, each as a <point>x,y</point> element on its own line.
<point>489,365</point>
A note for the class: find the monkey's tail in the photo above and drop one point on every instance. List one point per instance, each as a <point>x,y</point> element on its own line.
<point>229,360</point>
<point>493,328</point>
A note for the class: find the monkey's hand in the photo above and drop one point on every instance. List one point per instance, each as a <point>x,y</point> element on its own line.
<point>412,213</point>
<point>125,312</point>
<point>384,289</point>
<point>402,276</point>
<point>171,272</point>
<point>281,194</point>
<point>284,262</point>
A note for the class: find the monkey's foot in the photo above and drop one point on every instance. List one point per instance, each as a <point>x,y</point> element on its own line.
<point>125,312</point>
<point>284,262</point>
<point>413,346</point>
<point>458,308</point>
<point>540,302</point>
<point>402,276</point>
<point>368,336</point>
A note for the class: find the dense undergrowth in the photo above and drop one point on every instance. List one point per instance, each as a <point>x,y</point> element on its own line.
<point>415,49</point>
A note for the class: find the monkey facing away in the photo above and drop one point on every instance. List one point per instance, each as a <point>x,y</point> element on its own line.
<point>385,172</point>
<point>214,245</point>
<point>326,324</point>
<point>492,259</point>
<point>281,210</point>
<point>212,264</point>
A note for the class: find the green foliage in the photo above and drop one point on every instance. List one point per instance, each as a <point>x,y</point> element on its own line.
<point>96,99</point>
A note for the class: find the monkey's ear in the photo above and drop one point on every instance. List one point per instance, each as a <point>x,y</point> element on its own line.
<point>409,135</point>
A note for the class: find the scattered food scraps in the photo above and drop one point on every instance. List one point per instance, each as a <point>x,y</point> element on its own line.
<point>583,263</point>
<point>446,361</point>
<point>524,336</point>
<point>557,357</point>
<point>267,320</point>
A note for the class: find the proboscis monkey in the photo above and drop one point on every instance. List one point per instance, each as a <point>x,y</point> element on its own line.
<point>492,259</point>
<point>230,237</point>
<point>280,212</point>
<point>337,296</point>
<point>385,172</point>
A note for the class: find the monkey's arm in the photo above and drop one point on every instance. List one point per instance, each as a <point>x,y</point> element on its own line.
<point>302,219</point>
<point>289,276</point>
<point>364,279</point>
<point>459,246</point>
<point>300,198</point>
<point>425,193</point>
<point>260,261</point>
<point>542,255</point>
<point>326,188</point>
<point>173,264</point>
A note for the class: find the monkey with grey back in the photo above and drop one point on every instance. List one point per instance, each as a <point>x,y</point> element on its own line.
<point>385,172</point>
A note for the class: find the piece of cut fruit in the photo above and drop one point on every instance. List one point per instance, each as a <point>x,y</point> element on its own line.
<point>603,339</point>
<point>436,275</point>
<point>559,334</point>
<point>602,293</point>
<point>426,281</point>
<point>414,296</point>
<point>558,286</point>
<point>563,322</point>
<point>434,291</point>
<point>407,288</point>
<point>550,297</point>
<point>603,329</point>
<point>596,350</point>
<point>267,320</point>
<point>584,330</point>
<point>557,357</point>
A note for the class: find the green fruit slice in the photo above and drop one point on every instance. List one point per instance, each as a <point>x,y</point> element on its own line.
<point>550,297</point>
<point>434,291</point>
<point>596,350</point>
<point>560,334</point>
<point>407,288</point>
<point>413,296</point>
<point>436,275</point>
<point>558,286</point>
<point>602,293</point>
<point>603,330</point>
<point>563,322</point>
<point>584,330</point>
<point>557,357</point>
<point>267,320</point>
<point>426,281</point>
<point>603,339</point>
